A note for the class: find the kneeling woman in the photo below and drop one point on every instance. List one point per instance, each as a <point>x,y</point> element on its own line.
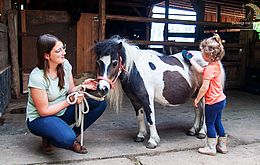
<point>48,114</point>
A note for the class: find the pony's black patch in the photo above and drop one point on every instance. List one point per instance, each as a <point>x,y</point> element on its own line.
<point>176,89</point>
<point>171,61</point>
<point>135,89</point>
<point>152,66</point>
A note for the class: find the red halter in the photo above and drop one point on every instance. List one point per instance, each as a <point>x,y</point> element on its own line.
<point>120,69</point>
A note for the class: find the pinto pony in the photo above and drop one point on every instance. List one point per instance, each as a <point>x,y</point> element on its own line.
<point>147,76</point>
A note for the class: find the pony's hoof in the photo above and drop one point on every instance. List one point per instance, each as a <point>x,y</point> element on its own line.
<point>151,146</point>
<point>201,136</point>
<point>190,133</point>
<point>139,139</point>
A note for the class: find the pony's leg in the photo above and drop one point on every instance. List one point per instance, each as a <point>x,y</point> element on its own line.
<point>199,126</point>
<point>142,128</point>
<point>201,134</point>
<point>154,137</point>
<point>194,129</point>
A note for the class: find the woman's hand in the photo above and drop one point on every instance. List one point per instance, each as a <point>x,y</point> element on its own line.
<point>90,84</point>
<point>80,97</point>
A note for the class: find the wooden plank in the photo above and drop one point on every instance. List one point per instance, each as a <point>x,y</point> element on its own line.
<point>23,21</point>
<point>172,43</point>
<point>102,19</point>
<point>94,39</point>
<point>5,88</point>
<point>88,41</point>
<point>1,8</point>
<point>87,34</point>
<point>80,42</point>
<point>41,17</point>
<point>6,5</point>
<point>3,50</point>
<point>13,36</point>
<point>3,28</point>
<point>163,20</point>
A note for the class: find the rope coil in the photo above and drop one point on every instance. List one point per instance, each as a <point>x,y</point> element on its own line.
<point>82,108</point>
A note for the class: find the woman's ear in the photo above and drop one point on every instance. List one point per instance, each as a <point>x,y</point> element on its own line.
<point>46,56</point>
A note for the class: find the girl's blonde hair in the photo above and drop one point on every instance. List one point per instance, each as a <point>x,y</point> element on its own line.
<point>213,48</point>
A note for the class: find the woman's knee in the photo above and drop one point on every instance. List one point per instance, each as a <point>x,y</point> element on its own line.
<point>102,105</point>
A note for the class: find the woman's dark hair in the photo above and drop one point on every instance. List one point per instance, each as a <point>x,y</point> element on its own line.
<point>45,44</point>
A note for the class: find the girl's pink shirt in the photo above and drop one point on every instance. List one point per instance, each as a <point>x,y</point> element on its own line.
<point>215,92</point>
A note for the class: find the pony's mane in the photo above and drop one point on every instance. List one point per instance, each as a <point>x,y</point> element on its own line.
<point>132,52</point>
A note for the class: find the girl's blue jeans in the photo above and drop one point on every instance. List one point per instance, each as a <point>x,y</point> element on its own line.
<point>57,130</point>
<point>213,115</point>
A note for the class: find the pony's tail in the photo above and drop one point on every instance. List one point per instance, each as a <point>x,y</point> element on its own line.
<point>223,75</point>
<point>115,96</point>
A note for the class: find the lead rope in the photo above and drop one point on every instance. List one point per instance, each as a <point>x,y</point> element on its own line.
<point>80,109</point>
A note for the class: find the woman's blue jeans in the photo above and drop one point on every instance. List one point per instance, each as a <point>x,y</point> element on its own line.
<point>213,115</point>
<point>57,130</point>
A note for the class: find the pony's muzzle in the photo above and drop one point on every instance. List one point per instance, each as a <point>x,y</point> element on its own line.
<point>103,87</point>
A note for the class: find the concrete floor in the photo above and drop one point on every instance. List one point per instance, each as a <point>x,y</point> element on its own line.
<point>110,139</point>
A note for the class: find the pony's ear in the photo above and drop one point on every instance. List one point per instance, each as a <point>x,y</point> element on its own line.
<point>119,46</point>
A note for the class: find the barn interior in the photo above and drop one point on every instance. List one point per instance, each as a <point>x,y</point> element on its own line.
<point>174,26</point>
<point>167,26</point>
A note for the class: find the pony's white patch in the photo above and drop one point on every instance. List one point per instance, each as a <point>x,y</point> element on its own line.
<point>103,83</point>
<point>141,123</point>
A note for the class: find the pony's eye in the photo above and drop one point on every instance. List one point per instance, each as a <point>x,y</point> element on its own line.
<point>114,63</point>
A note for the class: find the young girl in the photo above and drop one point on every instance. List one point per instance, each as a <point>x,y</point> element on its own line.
<point>212,90</point>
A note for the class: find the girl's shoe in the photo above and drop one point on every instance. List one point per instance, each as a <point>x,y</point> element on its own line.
<point>210,148</point>
<point>222,145</point>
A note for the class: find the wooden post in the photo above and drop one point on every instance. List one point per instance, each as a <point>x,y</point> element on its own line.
<point>246,39</point>
<point>102,19</point>
<point>5,5</point>
<point>166,25</point>
<point>13,47</point>
<point>200,10</point>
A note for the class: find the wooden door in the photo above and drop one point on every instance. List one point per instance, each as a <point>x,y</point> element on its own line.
<point>87,35</point>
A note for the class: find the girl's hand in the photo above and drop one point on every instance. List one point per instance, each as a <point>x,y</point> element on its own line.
<point>196,101</point>
<point>90,84</point>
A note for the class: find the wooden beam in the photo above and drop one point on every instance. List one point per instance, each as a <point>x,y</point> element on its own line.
<point>153,2</point>
<point>173,21</point>
<point>181,35</point>
<point>102,19</point>
<point>1,10</point>
<point>166,24</point>
<point>6,5</point>
<point>227,3</point>
<point>126,4</point>
<point>183,44</point>
<point>13,47</point>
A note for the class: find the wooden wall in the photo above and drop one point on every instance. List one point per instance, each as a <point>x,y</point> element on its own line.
<point>87,35</point>
<point>78,37</point>
<point>5,70</point>
<point>3,46</point>
<point>35,23</point>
